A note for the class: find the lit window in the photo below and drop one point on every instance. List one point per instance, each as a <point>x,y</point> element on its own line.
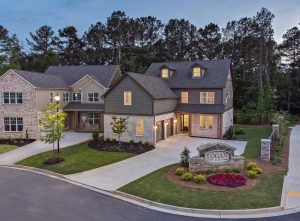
<point>184,97</point>
<point>139,127</point>
<point>127,97</point>
<point>197,72</point>
<point>207,97</point>
<point>165,73</point>
<point>12,98</point>
<point>13,124</point>
<point>65,97</point>
<point>206,121</point>
<point>76,96</point>
<point>51,96</point>
<point>93,97</point>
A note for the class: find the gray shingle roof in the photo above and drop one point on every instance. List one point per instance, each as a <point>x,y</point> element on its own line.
<point>103,74</point>
<point>155,86</point>
<point>215,75</point>
<point>42,80</point>
<point>78,106</point>
<point>201,108</point>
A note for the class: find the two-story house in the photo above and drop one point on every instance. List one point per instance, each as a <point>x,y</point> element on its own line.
<point>192,97</point>
<point>25,94</point>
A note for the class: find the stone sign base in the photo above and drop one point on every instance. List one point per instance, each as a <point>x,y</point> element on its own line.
<point>197,164</point>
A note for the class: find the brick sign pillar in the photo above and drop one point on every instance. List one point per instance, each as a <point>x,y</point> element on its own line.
<point>275,128</point>
<point>265,149</point>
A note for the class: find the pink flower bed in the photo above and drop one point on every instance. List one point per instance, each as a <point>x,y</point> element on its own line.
<point>227,179</point>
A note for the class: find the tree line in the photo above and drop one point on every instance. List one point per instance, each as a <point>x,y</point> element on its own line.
<point>135,43</point>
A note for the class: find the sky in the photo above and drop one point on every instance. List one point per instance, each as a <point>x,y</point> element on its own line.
<point>24,16</point>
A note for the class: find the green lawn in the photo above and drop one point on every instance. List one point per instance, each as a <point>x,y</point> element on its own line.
<point>252,135</point>
<point>156,188</point>
<point>6,148</point>
<point>78,158</point>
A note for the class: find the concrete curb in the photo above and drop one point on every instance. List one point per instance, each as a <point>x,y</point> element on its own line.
<point>204,213</point>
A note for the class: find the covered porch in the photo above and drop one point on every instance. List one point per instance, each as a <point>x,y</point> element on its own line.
<point>84,117</point>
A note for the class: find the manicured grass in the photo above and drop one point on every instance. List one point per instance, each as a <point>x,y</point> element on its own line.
<point>156,188</point>
<point>252,135</point>
<point>6,148</point>
<point>78,158</point>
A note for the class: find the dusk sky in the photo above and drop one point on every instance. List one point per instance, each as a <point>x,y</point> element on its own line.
<point>22,17</point>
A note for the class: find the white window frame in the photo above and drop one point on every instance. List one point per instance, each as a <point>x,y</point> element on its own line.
<point>206,117</point>
<point>66,98</point>
<point>167,72</point>
<point>204,97</point>
<point>182,96</point>
<point>92,116</point>
<point>18,122</point>
<point>200,72</point>
<point>51,97</point>
<point>127,98</point>
<point>12,95</point>
<point>76,96</point>
<point>139,127</point>
<point>93,97</point>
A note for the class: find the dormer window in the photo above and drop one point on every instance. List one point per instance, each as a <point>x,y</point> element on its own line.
<point>164,73</point>
<point>196,72</point>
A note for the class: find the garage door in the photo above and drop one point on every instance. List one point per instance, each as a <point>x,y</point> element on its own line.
<point>159,131</point>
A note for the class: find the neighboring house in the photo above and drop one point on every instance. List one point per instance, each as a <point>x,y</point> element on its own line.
<point>25,94</point>
<point>193,97</point>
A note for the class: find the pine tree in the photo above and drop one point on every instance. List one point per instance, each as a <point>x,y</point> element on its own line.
<point>261,105</point>
<point>268,96</point>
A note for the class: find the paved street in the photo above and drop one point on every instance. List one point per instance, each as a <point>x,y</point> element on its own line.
<point>70,138</point>
<point>167,152</point>
<point>26,196</point>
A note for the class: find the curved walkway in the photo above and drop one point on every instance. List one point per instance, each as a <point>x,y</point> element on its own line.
<point>70,138</point>
<point>29,196</point>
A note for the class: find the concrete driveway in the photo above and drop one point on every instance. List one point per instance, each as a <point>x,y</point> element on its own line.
<point>70,138</point>
<point>114,176</point>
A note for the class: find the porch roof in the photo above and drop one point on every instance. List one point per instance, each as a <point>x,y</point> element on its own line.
<point>201,108</point>
<point>78,106</point>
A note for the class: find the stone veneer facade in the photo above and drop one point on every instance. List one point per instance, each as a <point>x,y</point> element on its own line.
<point>130,134</point>
<point>11,82</point>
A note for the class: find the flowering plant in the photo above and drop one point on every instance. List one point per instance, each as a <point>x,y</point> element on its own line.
<point>227,179</point>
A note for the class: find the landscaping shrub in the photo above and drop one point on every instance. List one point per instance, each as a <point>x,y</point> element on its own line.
<point>276,160</point>
<point>227,179</point>
<point>229,133</point>
<point>114,140</point>
<point>185,156</point>
<point>258,170</point>
<point>131,141</point>
<point>209,171</point>
<point>95,135</point>
<point>140,142</point>
<point>229,170</point>
<point>236,170</point>
<point>251,165</point>
<point>146,144</point>
<point>180,171</point>
<point>107,140</point>
<point>53,160</point>
<point>187,177</point>
<point>239,131</point>
<point>252,174</point>
<point>199,178</point>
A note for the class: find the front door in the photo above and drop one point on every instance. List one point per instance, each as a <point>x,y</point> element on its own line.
<point>184,118</point>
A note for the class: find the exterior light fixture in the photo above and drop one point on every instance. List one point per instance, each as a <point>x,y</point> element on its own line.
<point>155,127</point>
<point>166,124</point>
<point>175,121</point>
<point>57,98</point>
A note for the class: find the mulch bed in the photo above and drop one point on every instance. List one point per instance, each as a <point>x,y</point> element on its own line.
<point>53,160</point>
<point>16,142</point>
<point>267,167</point>
<point>115,147</point>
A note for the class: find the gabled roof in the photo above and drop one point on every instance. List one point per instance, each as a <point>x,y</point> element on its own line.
<point>215,76</point>
<point>103,74</point>
<point>78,106</point>
<point>155,86</point>
<point>41,80</point>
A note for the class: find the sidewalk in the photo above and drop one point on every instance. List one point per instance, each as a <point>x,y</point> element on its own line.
<point>70,138</point>
<point>291,188</point>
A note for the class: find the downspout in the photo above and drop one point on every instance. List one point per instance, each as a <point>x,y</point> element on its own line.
<point>153,128</point>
